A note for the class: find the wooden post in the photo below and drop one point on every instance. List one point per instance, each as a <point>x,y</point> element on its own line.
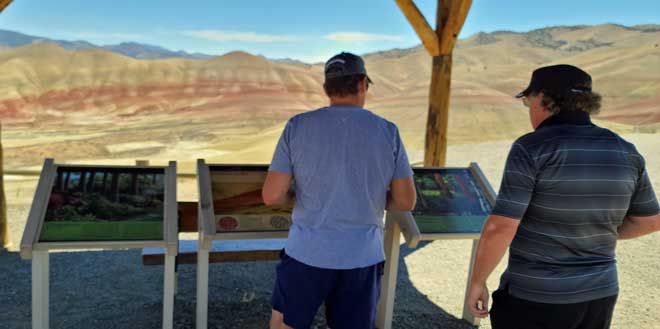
<point>435,148</point>
<point>4,232</point>
<point>450,17</point>
<point>4,4</point>
<point>385,308</point>
<point>420,25</point>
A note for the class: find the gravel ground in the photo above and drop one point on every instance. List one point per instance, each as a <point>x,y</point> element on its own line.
<point>112,289</point>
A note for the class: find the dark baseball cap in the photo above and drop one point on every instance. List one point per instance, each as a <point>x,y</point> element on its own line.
<point>345,64</point>
<point>558,80</point>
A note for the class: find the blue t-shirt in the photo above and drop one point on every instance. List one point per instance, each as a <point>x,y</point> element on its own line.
<point>342,159</point>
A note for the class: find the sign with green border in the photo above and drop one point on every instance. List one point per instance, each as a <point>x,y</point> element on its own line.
<point>449,201</point>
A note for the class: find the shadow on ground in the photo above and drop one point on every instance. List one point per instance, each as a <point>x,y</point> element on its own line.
<point>112,289</point>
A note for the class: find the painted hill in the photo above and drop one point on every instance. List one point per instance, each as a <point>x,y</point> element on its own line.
<point>233,105</point>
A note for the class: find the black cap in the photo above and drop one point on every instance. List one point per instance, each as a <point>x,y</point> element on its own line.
<point>558,80</point>
<point>345,64</point>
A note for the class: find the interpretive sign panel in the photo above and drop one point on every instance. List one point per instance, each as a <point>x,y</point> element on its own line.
<point>237,202</point>
<point>100,207</point>
<point>449,200</point>
<point>105,204</point>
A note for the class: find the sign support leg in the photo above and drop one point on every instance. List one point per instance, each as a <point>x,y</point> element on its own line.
<point>168,292</point>
<point>385,309</point>
<point>467,316</point>
<point>40,286</point>
<point>202,286</point>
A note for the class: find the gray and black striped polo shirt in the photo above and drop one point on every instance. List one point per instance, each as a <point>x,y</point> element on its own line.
<point>571,184</point>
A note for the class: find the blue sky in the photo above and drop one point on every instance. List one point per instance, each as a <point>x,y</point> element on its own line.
<point>307,30</point>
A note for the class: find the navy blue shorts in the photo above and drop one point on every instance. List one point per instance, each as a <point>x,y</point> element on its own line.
<point>350,296</point>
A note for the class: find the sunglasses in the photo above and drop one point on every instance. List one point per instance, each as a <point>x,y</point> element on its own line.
<point>525,101</point>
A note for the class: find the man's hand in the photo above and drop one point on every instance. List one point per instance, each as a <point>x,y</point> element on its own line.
<point>477,300</point>
<point>496,236</point>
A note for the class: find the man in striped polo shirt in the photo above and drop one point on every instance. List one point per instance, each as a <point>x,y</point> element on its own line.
<point>570,190</point>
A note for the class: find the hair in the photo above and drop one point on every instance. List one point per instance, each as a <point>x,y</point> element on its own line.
<point>343,86</point>
<point>587,102</point>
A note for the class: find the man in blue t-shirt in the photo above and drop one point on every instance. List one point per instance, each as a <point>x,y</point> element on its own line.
<point>343,166</point>
<point>570,190</point>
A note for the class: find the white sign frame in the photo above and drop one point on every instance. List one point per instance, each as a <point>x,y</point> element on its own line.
<point>38,252</point>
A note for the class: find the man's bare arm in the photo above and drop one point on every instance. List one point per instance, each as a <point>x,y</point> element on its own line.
<point>634,226</point>
<point>497,234</point>
<point>402,195</point>
<point>276,188</point>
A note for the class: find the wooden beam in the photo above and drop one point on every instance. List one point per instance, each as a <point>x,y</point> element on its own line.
<point>221,251</point>
<point>435,148</point>
<point>4,4</point>
<point>456,18</point>
<point>420,25</point>
<point>4,232</point>
<point>187,216</point>
<point>442,15</point>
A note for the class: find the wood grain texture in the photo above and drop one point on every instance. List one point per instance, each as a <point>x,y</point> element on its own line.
<point>458,12</point>
<point>435,147</point>
<point>424,31</point>
<point>221,251</point>
<point>450,16</point>
<point>4,4</point>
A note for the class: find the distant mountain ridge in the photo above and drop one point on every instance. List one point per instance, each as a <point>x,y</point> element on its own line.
<point>145,51</point>
<point>554,37</point>
<point>11,39</point>
<point>539,38</point>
